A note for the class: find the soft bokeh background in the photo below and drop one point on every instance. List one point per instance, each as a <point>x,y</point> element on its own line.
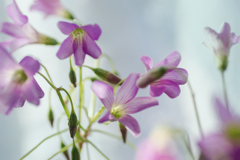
<point>129,29</point>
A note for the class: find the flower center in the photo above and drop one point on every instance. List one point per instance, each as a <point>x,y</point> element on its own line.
<point>233,133</point>
<point>19,77</point>
<point>78,33</point>
<point>117,111</point>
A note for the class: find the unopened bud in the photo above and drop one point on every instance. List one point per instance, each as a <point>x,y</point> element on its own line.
<point>50,116</point>
<point>106,76</point>
<point>75,153</point>
<point>72,123</point>
<point>65,152</point>
<point>123,131</point>
<point>151,76</point>
<point>72,77</point>
<point>47,40</point>
<point>68,15</point>
<point>222,62</point>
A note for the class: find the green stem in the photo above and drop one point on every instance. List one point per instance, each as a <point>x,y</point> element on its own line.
<point>58,124</point>
<point>47,72</point>
<point>224,89</point>
<point>63,104</point>
<point>49,97</point>
<point>80,93</point>
<point>62,150</point>
<point>50,83</point>
<point>116,87</point>
<point>62,89</point>
<point>110,61</point>
<point>195,109</point>
<point>42,142</point>
<point>88,155</point>
<point>97,149</point>
<point>115,136</point>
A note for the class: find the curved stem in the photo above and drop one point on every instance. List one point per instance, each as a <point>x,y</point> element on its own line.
<point>97,149</point>
<point>62,102</point>
<point>115,136</point>
<point>62,89</point>
<point>195,109</point>
<point>110,61</point>
<point>47,72</point>
<point>50,83</point>
<point>42,142</point>
<point>224,89</point>
<point>119,83</point>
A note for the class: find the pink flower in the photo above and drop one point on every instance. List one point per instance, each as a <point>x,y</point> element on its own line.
<point>221,43</point>
<point>17,83</point>
<point>81,41</point>
<point>125,103</point>
<point>170,76</point>
<point>224,144</point>
<point>21,31</point>
<point>51,7</point>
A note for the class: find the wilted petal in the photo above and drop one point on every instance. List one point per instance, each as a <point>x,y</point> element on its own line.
<point>94,31</point>
<point>90,47</point>
<point>107,117</point>
<point>66,48</point>
<point>177,75</point>
<point>19,42</point>
<point>16,15</point>
<point>12,30</point>
<point>235,39</point>
<point>172,60</point>
<point>32,91</point>
<point>223,112</point>
<point>131,123</point>
<point>78,52</point>
<point>128,90</point>
<point>30,65</point>
<point>147,61</point>
<point>156,91</point>
<point>140,103</point>
<point>104,92</point>
<point>225,35</point>
<point>215,146</point>
<point>67,28</point>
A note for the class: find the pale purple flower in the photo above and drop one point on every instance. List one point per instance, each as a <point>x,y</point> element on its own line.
<point>17,83</point>
<point>125,103</point>
<point>81,41</point>
<point>170,81</point>
<point>224,144</point>
<point>51,7</point>
<point>221,43</point>
<point>21,31</point>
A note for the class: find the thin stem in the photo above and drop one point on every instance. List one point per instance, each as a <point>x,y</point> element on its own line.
<point>42,142</point>
<point>87,67</point>
<point>47,72</point>
<point>88,155</point>
<point>195,109</point>
<point>119,83</point>
<point>97,149</point>
<point>80,93</point>
<point>62,102</point>
<point>62,150</point>
<point>58,124</point>
<point>50,83</point>
<point>62,89</point>
<point>224,89</point>
<point>110,61</point>
<point>49,97</point>
<point>115,136</point>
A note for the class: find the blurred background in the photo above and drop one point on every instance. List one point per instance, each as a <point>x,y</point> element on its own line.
<point>130,29</point>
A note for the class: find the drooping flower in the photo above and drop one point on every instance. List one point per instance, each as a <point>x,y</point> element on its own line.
<point>221,43</point>
<point>224,144</point>
<point>165,77</point>
<point>17,83</point>
<point>81,41</point>
<point>21,31</point>
<point>156,147</point>
<point>125,103</point>
<point>51,7</point>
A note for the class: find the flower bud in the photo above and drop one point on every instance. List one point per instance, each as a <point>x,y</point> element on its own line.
<point>47,40</point>
<point>151,76</point>
<point>72,77</point>
<point>65,152</point>
<point>72,123</point>
<point>222,62</point>
<point>106,75</point>
<point>68,15</point>
<point>50,116</point>
<point>123,131</point>
<point>75,153</point>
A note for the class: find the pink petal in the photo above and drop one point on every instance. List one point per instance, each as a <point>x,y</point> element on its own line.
<point>140,103</point>
<point>66,48</point>
<point>19,42</point>
<point>215,146</point>
<point>90,47</point>
<point>94,31</point>
<point>225,36</point>
<point>104,92</point>
<point>16,15</point>
<point>223,112</point>
<point>67,28</point>
<point>128,90</point>
<point>32,91</point>
<point>30,65</point>
<point>147,61</point>
<point>78,52</point>
<point>12,30</point>
<point>131,123</point>
<point>235,39</point>
<point>178,75</point>
<point>107,117</point>
<point>6,60</point>
<point>171,88</point>
<point>172,60</point>
<point>6,43</point>
<point>156,91</point>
